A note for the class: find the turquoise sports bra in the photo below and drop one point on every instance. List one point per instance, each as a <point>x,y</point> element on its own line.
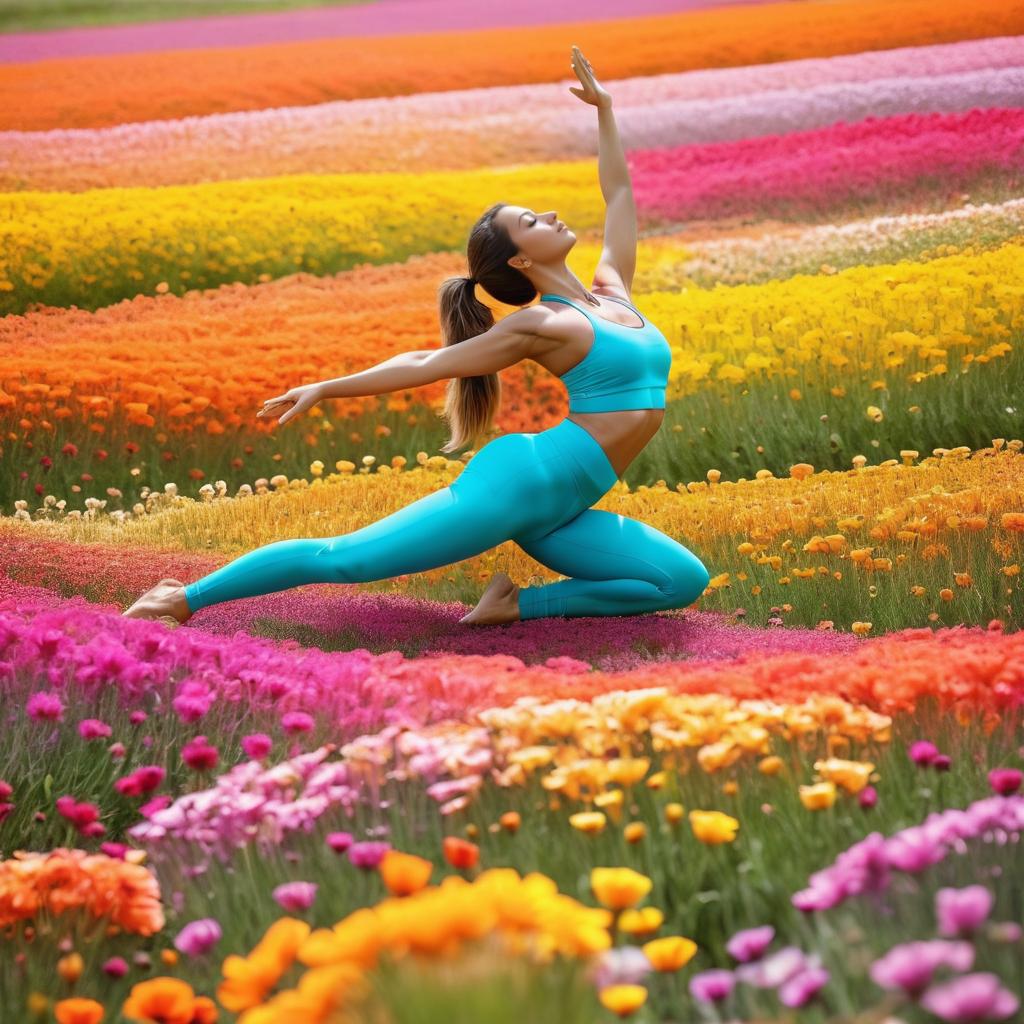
<point>626,367</point>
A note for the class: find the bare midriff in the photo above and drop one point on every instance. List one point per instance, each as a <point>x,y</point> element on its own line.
<point>623,435</point>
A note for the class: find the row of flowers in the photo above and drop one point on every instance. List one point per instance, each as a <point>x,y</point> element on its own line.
<point>198,236</point>
<point>192,82</point>
<point>456,129</point>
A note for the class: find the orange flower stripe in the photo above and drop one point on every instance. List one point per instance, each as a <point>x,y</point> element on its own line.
<point>180,83</point>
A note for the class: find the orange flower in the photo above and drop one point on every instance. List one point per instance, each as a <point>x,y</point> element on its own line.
<point>78,1011</point>
<point>70,967</point>
<point>247,980</point>
<point>634,831</point>
<point>404,873</point>
<point>510,821</point>
<point>674,813</point>
<point>1012,521</point>
<point>161,1001</point>
<point>946,594</point>
<point>460,853</point>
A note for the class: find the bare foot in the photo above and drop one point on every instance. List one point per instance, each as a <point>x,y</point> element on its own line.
<point>498,603</point>
<point>166,602</point>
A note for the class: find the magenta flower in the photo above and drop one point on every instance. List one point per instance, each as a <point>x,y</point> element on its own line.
<point>803,987</point>
<point>44,706</point>
<point>143,780</point>
<point>912,965</point>
<point>257,745</point>
<point>368,855</point>
<point>1005,781</point>
<point>942,762</point>
<point>116,850</point>
<point>294,896</point>
<point>868,797</point>
<point>962,911</point>
<point>115,967</point>
<point>712,986</point>
<point>969,998</point>
<point>198,937</point>
<point>923,752</point>
<point>296,721</point>
<point>93,729</point>
<point>750,944</point>
<point>137,717</point>
<point>81,815</point>
<point>198,754</point>
<point>158,803</point>
<point>6,789</point>
<point>339,842</point>
<point>117,751</point>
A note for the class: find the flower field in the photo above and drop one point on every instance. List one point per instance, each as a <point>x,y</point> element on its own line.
<point>799,799</point>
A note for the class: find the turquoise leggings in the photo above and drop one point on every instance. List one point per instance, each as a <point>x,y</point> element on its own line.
<point>534,489</point>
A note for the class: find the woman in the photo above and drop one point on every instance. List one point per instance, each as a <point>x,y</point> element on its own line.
<point>535,489</point>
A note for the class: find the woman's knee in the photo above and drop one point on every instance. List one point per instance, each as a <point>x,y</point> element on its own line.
<point>688,578</point>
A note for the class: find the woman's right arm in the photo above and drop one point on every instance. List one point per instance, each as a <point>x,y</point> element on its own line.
<point>508,342</point>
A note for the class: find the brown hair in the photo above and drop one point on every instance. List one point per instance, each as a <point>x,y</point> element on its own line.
<point>471,402</point>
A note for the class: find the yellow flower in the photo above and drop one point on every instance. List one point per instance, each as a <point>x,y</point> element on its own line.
<point>674,813</point>
<point>861,628</point>
<point>588,821</point>
<point>642,921</point>
<point>669,953</point>
<point>853,776</point>
<point>619,888</point>
<point>628,770</point>
<point>818,797</point>
<point>875,414</point>
<point>635,831</point>
<point>713,827</point>
<point>623,1000</point>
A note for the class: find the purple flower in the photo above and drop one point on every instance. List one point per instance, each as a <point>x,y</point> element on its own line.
<point>712,986</point>
<point>803,987</point>
<point>962,911</point>
<point>971,997</point>
<point>257,745</point>
<point>750,944</point>
<point>295,896</point>
<point>368,855</point>
<point>1005,781</point>
<point>198,937</point>
<point>339,842</point>
<point>923,752</point>
<point>44,706</point>
<point>910,966</point>
<point>94,729</point>
<point>296,721</point>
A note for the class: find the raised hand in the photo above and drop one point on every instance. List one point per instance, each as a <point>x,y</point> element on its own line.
<point>592,92</point>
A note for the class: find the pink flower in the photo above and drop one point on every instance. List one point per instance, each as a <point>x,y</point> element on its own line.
<point>923,752</point>
<point>137,717</point>
<point>868,797</point>
<point>293,896</point>
<point>198,754</point>
<point>117,751</point>
<point>45,706</point>
<point>158,803</point>
<point>1005,781</point>
<point>257,745</point>
<point>971,997</point>
<point>368,855</point>
<point>962,911</point>
<point>143,780</point>
<point>339,842</point>
<point>198,937</point>
<point>941,762</point>
<point>93,729</point>
<point>115,967</point>
<point>750,944</point>
<point>79,814</point>
<point>6,789</point>
<point>296,721</point>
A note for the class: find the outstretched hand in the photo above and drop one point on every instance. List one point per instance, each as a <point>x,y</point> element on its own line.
<point>300,399</point>
<point>592,92</point>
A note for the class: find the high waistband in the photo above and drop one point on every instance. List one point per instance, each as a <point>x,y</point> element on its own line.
<point>583,448</point>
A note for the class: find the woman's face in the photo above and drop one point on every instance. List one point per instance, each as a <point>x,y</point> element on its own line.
<point>540,237</point>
